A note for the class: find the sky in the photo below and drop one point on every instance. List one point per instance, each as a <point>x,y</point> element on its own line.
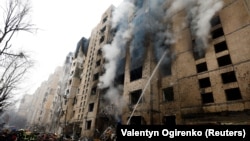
<point>61,24</point>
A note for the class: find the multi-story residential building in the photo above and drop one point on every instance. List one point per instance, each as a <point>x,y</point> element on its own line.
<point>200,88</point>
<point>36,102</point>
<point>58,122</point>
<point>24,109</point>
<point>190,86</point>
<point>42,101</point>
<point>49,96</point>
<point>48,100</point>
<point>89,95</point>
<point>71,110</point>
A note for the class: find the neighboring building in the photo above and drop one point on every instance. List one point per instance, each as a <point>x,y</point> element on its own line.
<point>89,95</point>
<point>24,107</point>
<point>36,102</point>
<point>50,94</point>
<point>58,120</point>
<point>71,110</point>
<point>42,102</point>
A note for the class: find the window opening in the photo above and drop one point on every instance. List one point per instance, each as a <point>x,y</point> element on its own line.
<point>136,74</point>
<point>91,107</point>
<point>233,94</point>
<point>168,94</point>
<point>217,33</point>
<point>135,95</point>
<point>93,90</point>
<point>215,21</point>
<point>88,124</point>
<point>228,77</point>
<point>220,47</point>
<point>224,60</point>
<point>201,67</point>
<point>207,98</point>
<point>102,39</point>
<point>204,83</point>
<point>96,77</point>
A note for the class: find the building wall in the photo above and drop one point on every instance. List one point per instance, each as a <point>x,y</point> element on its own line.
<point>100,36</point>
<point>42,103</point>
<point>37,100</point>
<point>72,107</point>
<point>188,105</point>
<point>50,94</point>
<point>24,107</point>
<point>58,121</point>
<point>188,96</point>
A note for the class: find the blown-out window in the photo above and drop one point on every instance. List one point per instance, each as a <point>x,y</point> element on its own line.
<point>219,47</point>
<point>168,94</point>
<point>228,77</point>
<point>134,96</point>
<point>204,82</point>
<point>207,98</point>
<point>136,74</point>
<point>88,124</point>
<point>233,94</point>
<point>224,60</point>
<point>91,107</point>
<point>201,67</point>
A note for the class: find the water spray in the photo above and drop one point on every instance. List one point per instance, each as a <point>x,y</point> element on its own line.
<point>148,82</point>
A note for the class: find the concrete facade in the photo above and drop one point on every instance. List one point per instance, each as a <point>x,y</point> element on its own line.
<point>58,121</point>
<point>24,107</point>
<point>70,107</point>
<point>40,117</point>
<point>50,94</point>
<point>89,96</point>
<point>198,95</point>
<point>229,99</point>
<point>37,100</point>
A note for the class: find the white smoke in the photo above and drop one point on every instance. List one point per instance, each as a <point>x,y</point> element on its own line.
<point>178,5</point>
<point>123,12</point>
<point>157,24</point>
<point>114,95</point>
<point>113,51</point>
<point>112,55</point>
<point>201,12</point>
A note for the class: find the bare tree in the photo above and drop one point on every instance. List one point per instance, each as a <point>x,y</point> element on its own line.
<point>13,65</point>
<point>15,19</point>
<point>14,68</point>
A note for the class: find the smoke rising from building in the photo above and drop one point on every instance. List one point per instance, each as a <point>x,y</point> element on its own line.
<point>116,49</point>
<point>114,97</point>
<point>139,22</point>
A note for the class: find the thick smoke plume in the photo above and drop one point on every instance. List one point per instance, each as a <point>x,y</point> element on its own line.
<point>116,49</point>
<point>200,13</point>
<point>115,99</point>
<point>138,22</point>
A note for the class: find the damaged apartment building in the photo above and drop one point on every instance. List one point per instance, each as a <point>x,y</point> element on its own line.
<point>161,62</point>
<point>190,85</point>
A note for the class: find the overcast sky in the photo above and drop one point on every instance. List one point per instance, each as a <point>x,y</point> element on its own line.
<point>61,23</point>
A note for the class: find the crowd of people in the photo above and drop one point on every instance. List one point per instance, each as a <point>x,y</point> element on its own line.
<point>25,135</point>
